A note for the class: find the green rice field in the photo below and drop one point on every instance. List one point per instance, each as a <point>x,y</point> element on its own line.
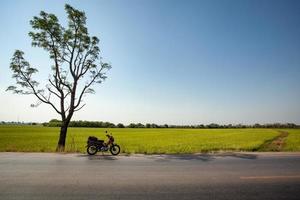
<point>147,141</point>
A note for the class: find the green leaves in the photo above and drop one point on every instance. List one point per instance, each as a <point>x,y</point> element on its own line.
<point>11,88</point>
<point>77,19</point>
<point>48,34</point>
<point>22,72</point>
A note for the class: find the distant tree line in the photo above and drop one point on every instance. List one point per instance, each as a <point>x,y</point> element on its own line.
<point>19,123</point>
<point>100,124</point>
<point>80,123</point>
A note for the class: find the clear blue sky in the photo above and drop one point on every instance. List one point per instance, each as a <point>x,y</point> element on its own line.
<point>174,61</point>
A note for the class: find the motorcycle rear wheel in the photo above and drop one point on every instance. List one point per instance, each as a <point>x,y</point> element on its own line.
<point>92,150</point>
<point>115,149</point>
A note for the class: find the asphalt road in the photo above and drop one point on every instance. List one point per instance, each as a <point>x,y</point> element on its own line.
<point>205,176</point>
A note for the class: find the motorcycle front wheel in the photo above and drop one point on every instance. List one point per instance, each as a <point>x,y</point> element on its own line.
<point>115,149</point>
<point>91,150</point>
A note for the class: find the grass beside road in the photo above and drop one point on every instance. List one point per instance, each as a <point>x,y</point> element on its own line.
<point>292,142</point>
<point>44,139</point>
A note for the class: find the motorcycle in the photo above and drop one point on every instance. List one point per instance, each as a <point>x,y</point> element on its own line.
<point>94,145</point>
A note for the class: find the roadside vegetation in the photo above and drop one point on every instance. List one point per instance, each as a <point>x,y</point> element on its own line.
<point>148,141</point>
<point>292,142</point>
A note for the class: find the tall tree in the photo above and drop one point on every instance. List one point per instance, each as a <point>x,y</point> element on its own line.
<point>77,65</point>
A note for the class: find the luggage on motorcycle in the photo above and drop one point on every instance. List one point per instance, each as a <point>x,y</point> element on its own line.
<point>92,138</point>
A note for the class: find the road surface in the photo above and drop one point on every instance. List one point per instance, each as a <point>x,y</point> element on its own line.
<point>229,176</point>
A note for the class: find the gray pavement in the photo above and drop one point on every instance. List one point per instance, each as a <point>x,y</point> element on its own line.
<point>203,176</point>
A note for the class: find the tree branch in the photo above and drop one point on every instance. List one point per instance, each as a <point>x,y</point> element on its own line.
<point>79,108</point>
<point>51,91</point>
<point>88,85</point>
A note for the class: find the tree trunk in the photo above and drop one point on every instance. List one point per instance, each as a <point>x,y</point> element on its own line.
<point>62,137</point>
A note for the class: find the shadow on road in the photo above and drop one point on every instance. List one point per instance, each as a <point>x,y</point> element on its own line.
<point>202,157</point>
<point>205,157</point>
<point>238,155</point>
<point>99,157</point>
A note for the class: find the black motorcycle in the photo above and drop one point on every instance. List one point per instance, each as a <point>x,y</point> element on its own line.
<point>94,145</point>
